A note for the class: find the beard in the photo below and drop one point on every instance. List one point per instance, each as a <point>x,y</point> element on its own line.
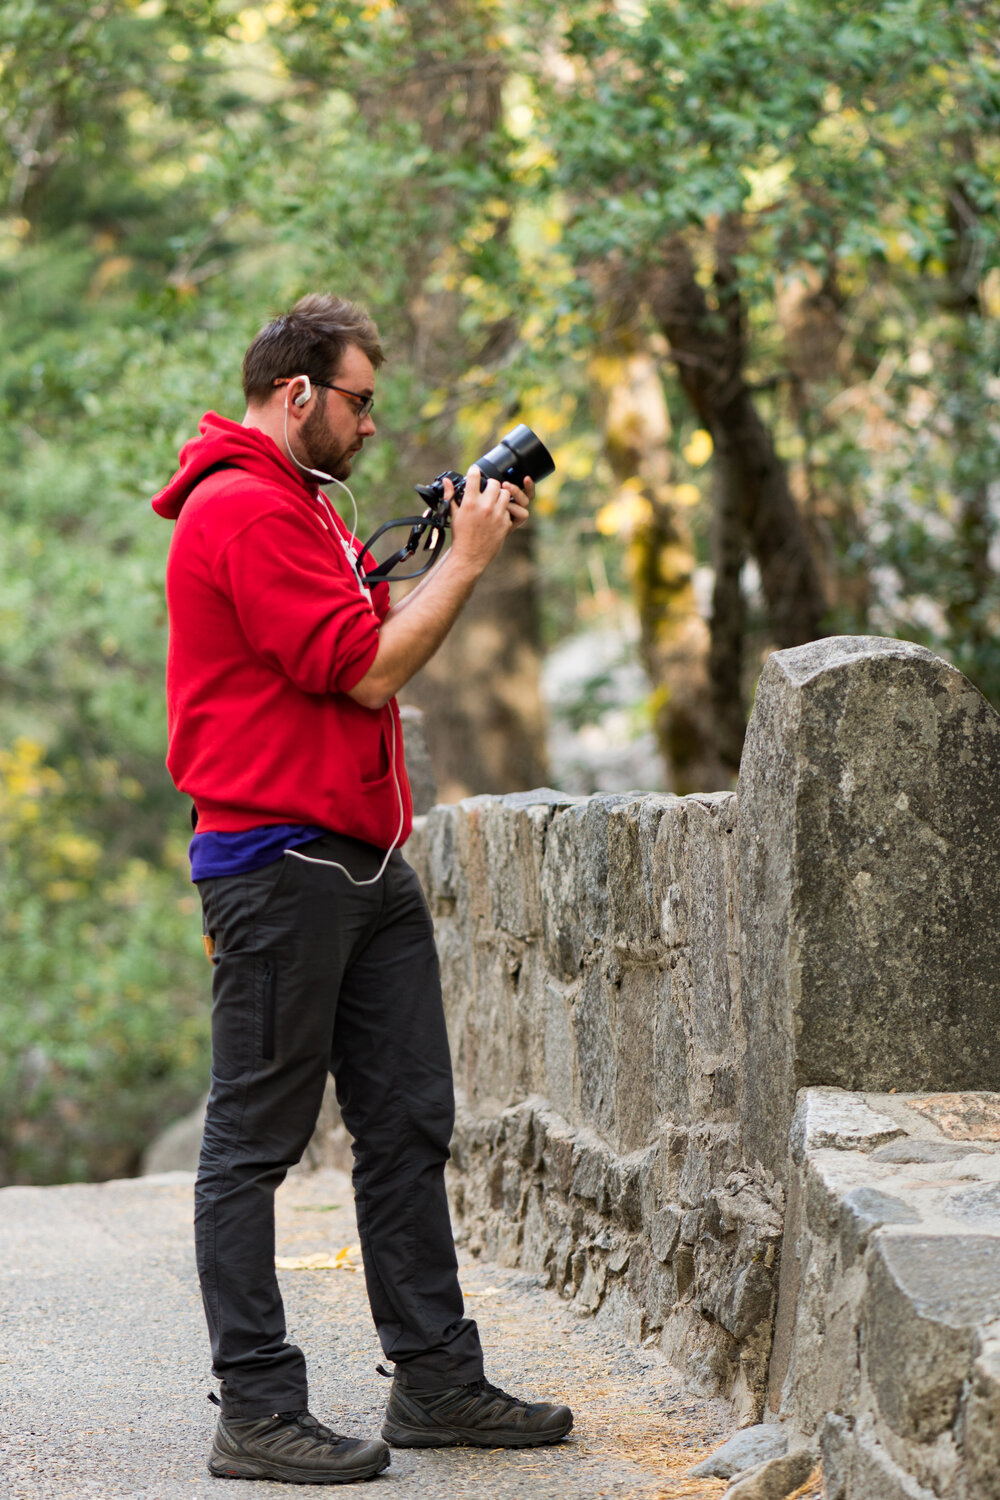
<point>322,450</point>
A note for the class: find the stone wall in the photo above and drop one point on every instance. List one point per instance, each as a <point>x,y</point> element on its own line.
<point>639,987</point>
<point>590,959</point>
<point>887,1347</point>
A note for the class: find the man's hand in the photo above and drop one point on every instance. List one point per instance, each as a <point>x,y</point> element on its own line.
<point>488,512</point>
<point>415,627</point>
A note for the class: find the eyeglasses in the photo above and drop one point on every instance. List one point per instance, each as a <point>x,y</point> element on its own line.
<point>365,403</point>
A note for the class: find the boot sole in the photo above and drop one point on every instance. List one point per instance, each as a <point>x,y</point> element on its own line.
<point>458,1437</point>
<point>250,1468</point>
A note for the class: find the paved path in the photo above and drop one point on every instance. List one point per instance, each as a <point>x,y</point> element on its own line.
<point>104,1368</point>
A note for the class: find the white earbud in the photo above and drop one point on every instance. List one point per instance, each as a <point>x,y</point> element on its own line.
<point>300,400</point>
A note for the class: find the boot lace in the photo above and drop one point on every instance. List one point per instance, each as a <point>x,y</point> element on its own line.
<point>488,1389</point>
<point>311,1427</point>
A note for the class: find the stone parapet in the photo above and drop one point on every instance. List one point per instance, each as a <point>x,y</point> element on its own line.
<point>590,963</point>
<point>589,952</point>
<point>869,851</point>
<point>888,1336</point>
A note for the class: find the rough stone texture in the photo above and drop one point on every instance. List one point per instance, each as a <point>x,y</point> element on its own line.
<point>829,1117</point>
<point>777,1479</point>
<point>747,1450</point>
<point>857,1467</point>
<point>886,1343</point>
<point>963,1117</point>
<point>869,880</point>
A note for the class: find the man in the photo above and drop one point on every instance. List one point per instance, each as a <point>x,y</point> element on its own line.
<point>281,675</point>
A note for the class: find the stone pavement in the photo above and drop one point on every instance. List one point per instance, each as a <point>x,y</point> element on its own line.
<point>104,1368</point>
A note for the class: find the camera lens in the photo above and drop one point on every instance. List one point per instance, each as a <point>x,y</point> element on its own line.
<point>518,456</point>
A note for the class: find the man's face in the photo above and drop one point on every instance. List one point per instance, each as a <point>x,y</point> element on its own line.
<point>333,433</point>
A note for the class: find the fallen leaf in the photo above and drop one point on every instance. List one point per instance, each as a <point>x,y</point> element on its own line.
<point>323,1260</point>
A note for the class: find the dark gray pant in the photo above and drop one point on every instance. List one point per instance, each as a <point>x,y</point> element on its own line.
<point>313,974</point>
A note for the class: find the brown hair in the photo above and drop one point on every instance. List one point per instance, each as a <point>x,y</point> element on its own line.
<point>309,340</point>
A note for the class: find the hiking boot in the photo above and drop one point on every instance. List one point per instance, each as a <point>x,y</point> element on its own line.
<point>294,1447</point>
<point>479,1414</point>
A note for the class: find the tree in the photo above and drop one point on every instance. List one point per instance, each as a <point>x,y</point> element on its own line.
<point>711,164</point>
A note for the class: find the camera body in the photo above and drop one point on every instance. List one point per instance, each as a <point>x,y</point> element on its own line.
<point>518,456</point>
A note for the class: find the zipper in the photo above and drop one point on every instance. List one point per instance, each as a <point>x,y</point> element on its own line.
<point>267,1013</point>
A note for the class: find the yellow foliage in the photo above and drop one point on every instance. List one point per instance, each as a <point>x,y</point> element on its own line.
<point>24,781</point>
<point>606,370</point>
<point>573,460</point>
<point>767,186</point>
<point>698,449</point>
<point>65,890</point>
<point>676,564</point>
<point>434,405</point>
<point>990,293</point>
<point>75,849</point>
<point>626,513</point>
<point>686,494</point>
<point>252,26</point>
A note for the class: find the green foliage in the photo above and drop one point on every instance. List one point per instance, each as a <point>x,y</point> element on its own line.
<point>177,173</point>
<point>102,983</point>
<point>852,150</point>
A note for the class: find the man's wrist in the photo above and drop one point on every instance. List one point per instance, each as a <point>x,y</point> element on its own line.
<point>462,567</point>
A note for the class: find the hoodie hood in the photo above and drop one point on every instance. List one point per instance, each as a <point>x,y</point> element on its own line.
<point>219,442</point>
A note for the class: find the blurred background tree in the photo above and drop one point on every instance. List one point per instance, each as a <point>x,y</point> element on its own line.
<point>737,262</point>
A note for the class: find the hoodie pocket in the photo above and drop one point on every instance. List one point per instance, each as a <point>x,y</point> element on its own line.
<point>377,767</point>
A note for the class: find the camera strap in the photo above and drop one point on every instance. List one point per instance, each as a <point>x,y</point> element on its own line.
<point>434,524</point>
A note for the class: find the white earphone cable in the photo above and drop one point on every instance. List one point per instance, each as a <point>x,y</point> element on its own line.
<point>310,859</point>
<point>323,498</point>
<point>316,473</point>
<point>326,478</point>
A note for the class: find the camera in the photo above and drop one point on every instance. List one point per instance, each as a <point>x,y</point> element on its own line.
<point>519,455</point>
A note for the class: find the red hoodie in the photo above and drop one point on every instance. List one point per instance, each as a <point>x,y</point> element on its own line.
<point>270,628</point>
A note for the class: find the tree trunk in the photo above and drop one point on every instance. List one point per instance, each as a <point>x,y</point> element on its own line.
<point>673,637</point>
<point>754,506</point>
